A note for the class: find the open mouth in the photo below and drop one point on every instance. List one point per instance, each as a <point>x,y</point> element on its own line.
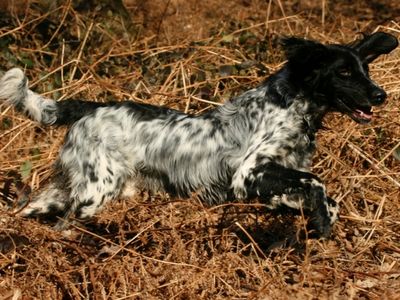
<point>361,114</point>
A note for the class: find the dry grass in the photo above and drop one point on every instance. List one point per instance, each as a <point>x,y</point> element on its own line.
<point>192,55</point>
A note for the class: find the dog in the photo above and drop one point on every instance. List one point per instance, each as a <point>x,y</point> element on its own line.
<point>257,145</point>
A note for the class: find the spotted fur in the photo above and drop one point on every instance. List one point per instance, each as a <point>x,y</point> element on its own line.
<point>258,145</point>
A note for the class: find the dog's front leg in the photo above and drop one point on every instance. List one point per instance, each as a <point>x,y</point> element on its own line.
<point>279,186</point>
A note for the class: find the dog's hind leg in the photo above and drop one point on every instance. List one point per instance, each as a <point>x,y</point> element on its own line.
<point>92,185</point>
<point>83,201</point>
<point>49,203</point>
<point>90,197</point>
<point>79,190</point>
<point>279,186</point>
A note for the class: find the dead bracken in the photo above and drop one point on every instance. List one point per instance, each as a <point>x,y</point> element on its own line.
<point>193,55</point>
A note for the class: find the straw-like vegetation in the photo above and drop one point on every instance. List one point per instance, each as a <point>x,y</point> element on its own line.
<point>192,55</point>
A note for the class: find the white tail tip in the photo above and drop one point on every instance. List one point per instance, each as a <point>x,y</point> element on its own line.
<point>13,86</point>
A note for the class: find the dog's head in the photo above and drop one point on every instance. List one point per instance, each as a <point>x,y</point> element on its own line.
<point>336,76</point>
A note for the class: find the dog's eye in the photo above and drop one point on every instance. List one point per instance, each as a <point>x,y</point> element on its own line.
<point>344,72</point>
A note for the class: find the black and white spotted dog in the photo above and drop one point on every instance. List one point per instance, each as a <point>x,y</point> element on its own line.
<point>259,144</point>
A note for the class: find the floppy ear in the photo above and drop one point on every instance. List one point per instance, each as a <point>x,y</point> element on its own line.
<point>374,45</point>
<point>301,50</point>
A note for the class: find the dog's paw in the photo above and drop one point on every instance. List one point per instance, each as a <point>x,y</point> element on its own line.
<point>323,218</point>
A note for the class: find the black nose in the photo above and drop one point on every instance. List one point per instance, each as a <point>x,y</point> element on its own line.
<point>378,97</point>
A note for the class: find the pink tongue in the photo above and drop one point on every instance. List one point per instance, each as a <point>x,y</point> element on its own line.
<point>364,115</point>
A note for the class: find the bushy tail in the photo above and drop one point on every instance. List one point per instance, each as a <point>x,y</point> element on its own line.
<point>14,90</point>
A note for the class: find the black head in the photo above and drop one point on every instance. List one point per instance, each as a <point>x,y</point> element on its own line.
<point>336,76</point>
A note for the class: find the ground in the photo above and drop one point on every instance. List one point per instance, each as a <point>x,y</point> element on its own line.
<point>193,55</point>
